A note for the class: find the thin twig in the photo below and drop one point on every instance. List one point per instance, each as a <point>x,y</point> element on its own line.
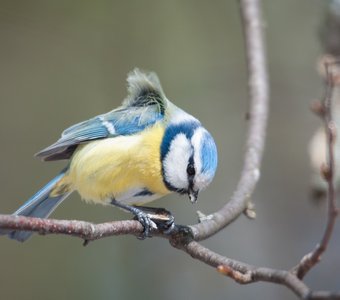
<point>245,274</point>
<point>325,112</point>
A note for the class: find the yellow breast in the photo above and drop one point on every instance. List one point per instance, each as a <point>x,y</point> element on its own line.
<point>111,167</point>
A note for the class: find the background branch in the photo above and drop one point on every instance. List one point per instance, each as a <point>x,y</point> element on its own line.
<point>258,113</point>
<point>324,110</point>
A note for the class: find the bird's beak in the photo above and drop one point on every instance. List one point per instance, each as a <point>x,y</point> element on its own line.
<point>193,196</point>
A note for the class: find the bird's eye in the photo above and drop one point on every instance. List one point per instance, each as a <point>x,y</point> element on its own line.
<point>191,170</point>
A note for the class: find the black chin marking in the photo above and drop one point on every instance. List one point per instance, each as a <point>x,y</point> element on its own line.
<point>191,169</point>
<point>182,191</point>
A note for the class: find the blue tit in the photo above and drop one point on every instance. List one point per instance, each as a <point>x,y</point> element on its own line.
<point>141,151</point>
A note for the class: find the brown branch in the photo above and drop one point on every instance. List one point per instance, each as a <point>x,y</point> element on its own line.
<point>324,110</point>
<point>239,271</point>
<point>84,230</point>
<point>258,114</point>
<point>245,274</point>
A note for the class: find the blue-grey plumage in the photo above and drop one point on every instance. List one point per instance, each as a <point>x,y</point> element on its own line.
<point>141,151</point>
<point>40,205</point>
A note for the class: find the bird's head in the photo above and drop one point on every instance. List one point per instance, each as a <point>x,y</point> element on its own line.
<point>188,155</point>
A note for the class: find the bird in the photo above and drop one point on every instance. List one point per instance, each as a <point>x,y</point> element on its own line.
<point>141,151</point>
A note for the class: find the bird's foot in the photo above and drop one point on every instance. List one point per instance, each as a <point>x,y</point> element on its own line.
<point>147,223</point>
<point>160,217</point>
<point>151,218</point>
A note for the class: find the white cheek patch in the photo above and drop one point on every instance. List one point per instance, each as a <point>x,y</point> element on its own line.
<point>176,162</point>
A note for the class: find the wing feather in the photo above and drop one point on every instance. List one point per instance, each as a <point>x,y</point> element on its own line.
<point>144,106</point>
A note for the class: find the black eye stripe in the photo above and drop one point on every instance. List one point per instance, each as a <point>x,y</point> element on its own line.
<point>191,167</point>
<point>191,170</point>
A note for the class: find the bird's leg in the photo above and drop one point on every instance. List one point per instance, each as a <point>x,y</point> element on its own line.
<point>140,215</point>
<point>150,217</point>
<point>163,218</point>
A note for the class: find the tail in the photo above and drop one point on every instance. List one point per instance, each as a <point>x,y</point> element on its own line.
<point>41,205</point>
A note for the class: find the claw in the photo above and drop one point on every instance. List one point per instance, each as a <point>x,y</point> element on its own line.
<point>170,228</point>
<point>162,218</point>
<point>147,223</point>
<point>151,218</point>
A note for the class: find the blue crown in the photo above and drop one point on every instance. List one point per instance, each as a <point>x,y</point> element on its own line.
<point>209,156</point>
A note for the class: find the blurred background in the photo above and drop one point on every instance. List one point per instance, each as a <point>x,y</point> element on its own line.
<point>62,62</point>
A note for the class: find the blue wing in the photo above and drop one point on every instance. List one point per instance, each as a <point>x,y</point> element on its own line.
<point>144,106</point>
<point>122,121</point>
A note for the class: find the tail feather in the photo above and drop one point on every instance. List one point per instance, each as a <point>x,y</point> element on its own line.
<point>41,205</point>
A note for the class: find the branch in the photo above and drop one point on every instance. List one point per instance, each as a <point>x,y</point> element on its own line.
<point>324,110</point>
<point>241,272</point>
<point>245,274</point>
<point>258,114</point>
<point>84,230</point>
